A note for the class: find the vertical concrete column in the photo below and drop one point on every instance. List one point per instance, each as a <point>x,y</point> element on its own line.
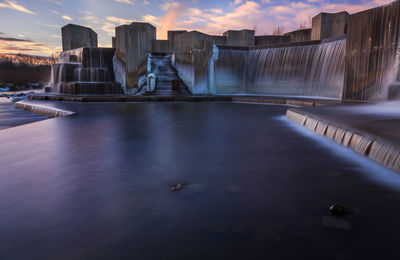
<point>171,38</point>
<point>328,25</point>
<point>133,43</point>
<point>372,52</point>
<point>240,38</point>
<point>76,36</point>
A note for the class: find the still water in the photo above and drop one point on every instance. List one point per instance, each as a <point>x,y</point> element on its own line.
<point>10,116</point>
<point>96,185</point>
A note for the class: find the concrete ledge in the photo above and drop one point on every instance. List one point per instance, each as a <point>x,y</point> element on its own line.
<point>42,110</point>
<point>373,147</point>
<point>279,100</point>
<point>117,98</point>
<point>299,102</point>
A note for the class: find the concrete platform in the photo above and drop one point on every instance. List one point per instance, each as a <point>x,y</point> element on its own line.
<point>370,130</point>
<point>280,100</point>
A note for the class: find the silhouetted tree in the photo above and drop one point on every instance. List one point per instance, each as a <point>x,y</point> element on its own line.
<point>278,30</point>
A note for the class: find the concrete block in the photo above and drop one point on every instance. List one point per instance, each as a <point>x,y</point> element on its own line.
<point>219,40</point>
<point>192,53</point>
<point>303,35</point>
<point>240,38</point>
<point>329,25</point>
<point>270,40</point>
<point>133,43</point>
<point>160,46</point>
<point>76,36</point>
<point>171,38</point>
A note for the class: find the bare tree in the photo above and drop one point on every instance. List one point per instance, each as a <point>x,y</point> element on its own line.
<point>306,24</point>
<point>278,30</point>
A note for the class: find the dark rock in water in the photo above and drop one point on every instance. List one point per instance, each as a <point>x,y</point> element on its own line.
<point>47,89</point>
<point>178,187</point>
<point>338,209</point>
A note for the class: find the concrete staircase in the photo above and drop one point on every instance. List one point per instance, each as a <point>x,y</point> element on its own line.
<point>168,81</point>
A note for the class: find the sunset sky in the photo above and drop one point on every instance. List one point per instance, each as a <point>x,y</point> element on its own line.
<point>33,26</point>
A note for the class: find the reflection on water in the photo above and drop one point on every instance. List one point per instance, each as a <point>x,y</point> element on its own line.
<point>97,185</point>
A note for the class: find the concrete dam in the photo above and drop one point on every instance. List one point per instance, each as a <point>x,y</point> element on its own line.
<point>341,57</point>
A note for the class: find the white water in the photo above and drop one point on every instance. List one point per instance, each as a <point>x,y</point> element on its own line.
<point>80,65</point>
<point>311,70</point>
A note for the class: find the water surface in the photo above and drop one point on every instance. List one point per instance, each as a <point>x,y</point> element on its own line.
<point>96,186</point>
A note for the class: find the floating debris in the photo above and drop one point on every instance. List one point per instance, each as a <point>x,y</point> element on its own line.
<point>338,209</point>
<point>178,187</point>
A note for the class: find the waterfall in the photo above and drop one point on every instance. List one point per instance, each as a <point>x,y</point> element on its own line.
<point>85,71</point>
<point>308,70</point>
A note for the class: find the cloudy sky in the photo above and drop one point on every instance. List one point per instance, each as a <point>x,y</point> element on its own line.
<point>33,26</point>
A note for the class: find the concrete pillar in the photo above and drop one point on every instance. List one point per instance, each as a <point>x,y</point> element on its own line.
<point>113,42</point>
<point>171,38</point>
<point>76,36</point>
<point>328,25</point>
<point>240,38</point>
<point>133,43</point>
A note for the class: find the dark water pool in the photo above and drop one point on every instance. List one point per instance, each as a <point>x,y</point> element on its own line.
<point>96,186</point>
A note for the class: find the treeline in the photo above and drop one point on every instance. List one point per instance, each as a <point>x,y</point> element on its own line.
<point>22,69</point>
<point>28,59</point>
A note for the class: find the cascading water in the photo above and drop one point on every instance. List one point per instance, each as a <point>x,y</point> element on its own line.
<point>85,71</point>
<point>308,70</point>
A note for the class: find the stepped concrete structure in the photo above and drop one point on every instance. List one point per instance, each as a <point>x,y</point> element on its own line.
<point>168,81</point>
<point>76,36</point>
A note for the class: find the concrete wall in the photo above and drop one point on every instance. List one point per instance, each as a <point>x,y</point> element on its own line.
<point>219,40</point>
<point>328,25</point>
<point>171,38</point>
<point>160,46</point>
<point>372,52</point>
<point>133,43</point>
<point>303,35</point>
<point>193,51</point>
<point>240,38</point>
<point>76,36</point>
<point>269,40</point>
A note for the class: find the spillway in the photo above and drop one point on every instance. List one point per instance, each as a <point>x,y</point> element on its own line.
<point>304,70</point>
<point>85,71</point>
